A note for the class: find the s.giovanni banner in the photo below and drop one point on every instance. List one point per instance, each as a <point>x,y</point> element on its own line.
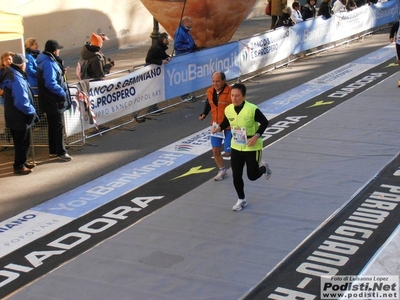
<point>115,98</point>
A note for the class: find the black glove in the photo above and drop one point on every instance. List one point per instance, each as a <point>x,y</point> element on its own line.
<point>111,62</point>
<point>107,67</point>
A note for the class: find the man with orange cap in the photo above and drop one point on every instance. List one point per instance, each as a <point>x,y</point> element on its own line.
<point>93,63</point>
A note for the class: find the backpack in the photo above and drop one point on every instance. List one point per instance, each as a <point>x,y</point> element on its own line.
<point>82,69</point>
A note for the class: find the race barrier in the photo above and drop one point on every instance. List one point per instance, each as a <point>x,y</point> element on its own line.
<point>118,101</point>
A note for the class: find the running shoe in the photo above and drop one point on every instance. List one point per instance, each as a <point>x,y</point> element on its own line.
<point>240,204</point>
<point>268,171</point>
<point>188,99</point>
<point>65,157</point>
<point>221,175</point>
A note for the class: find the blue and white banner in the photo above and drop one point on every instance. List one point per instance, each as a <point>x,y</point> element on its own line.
<point>310,34</point>
<point>319,31</point>
<point>190,72</point>
<point>114,98</point>
<point>385,12</point>
<point>262,50</point>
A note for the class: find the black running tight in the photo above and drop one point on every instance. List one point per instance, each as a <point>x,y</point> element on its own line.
<point>254,171</point>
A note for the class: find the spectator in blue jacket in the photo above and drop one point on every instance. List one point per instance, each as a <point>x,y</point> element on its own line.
<point>31,54</point>
<point>184,43</point>
<point>54,97</point>
<point>183,40</point>
<point>19,112</point>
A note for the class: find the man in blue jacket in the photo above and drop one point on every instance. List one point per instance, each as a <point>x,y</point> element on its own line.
<point>54,97</point>
<point>184,43</point>
<point>183,40</point>
<point>19,112</point>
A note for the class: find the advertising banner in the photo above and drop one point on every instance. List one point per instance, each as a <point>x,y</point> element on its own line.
<point>319,31</point>
<point>191,72</point>
<point>352,22</point>
<point>262,50</point>
<point>114,98</point>
<point>311,34</point>
<point>385,12</point>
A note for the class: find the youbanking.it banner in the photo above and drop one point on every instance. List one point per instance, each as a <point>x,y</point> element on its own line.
<point>271,47</point>
<point>190,72</point>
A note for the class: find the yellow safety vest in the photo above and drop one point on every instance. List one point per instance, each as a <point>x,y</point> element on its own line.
<point>245,119</point>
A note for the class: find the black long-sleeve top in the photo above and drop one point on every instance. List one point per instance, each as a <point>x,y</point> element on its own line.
<point>393,29</point>
<point>258,117</point>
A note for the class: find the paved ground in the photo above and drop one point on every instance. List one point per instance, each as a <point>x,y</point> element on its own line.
<point>196,247</point>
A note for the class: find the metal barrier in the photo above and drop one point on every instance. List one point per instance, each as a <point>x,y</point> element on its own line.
<point>39,132</point>
<point>122,122</point>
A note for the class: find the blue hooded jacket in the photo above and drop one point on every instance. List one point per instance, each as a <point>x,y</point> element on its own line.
<point>53,90</point>
<point>183,41</point>
<point>19,112</point>
<point>31,66</point>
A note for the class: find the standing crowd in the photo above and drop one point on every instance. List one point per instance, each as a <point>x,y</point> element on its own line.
<point>284,15</point>
<point>43,75</point>
<point>37,74</point>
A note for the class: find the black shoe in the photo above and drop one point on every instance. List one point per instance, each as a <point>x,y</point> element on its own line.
<point>23,171</point>
<point>155,112</point>
<point>30,165</point>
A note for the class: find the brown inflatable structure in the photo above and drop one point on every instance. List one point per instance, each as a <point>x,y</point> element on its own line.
<point>214,22</point>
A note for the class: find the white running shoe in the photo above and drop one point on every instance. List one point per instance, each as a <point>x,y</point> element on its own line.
<point>221,175</point>
<point>268,171</point>
<point>65,157</point>
<point>240,204</point>
<point>188,99</point>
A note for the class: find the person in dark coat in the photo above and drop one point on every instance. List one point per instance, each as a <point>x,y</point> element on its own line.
<point>394,36</point>
<point>157,55</point>
<point>325,9</point>
<point>93,63</point>
<point>277,7</point>
<point>309,10</point>
<point>19,112</point>
<point>284,19</point>
<point>54,97</point>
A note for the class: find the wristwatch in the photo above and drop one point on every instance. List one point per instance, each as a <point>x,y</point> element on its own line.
<point>257,135</point>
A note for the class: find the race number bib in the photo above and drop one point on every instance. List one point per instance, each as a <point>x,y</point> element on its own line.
<point>219,134</point>
<point>239,135</point>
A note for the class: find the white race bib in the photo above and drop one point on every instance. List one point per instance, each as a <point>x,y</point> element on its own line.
<point>219,134</point>
<point>239,135</point>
